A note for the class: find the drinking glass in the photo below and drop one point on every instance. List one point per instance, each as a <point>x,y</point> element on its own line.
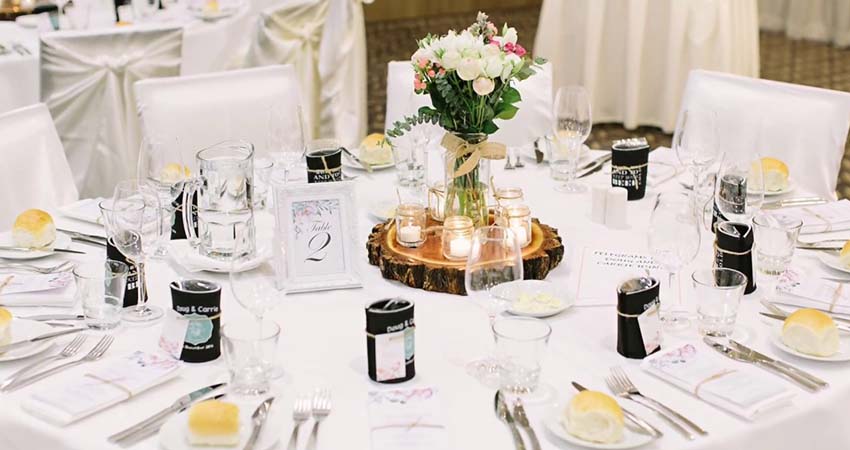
<point>135,226</point>
<point>100,289</point>
<point>286,143</point>
<point>262,181</point>
<point>165,172</point>
<point>144,9</point>
<point>695,143</point>
<point>250,349</point>
<point>674,238</point>
<point>410,159</point>
<point>739,186</point>
<point>572,128</point>
<point>776,236</point>
<point>520,345</point>
<point>718,292</point>
<point>494,258</point>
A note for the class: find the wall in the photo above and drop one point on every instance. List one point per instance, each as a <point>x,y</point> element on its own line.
<point>405,9</point>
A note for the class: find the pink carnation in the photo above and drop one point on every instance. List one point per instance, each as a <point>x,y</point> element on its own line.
<point>519,50</point>
<point>509,47</point>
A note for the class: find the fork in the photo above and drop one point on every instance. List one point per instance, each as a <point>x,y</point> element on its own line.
<point>93,355</point>
<point>300,414</point>
<point>622,386</point>
<point>522,419</point>
<point>63,267</point>
<point>70,350</point>
<point>321,410</point>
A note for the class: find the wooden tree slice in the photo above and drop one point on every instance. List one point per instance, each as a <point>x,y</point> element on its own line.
<point>426,268</point>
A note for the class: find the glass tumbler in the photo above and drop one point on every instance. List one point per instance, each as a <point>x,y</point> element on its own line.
<point>409,158</point>
<point>718,292</point>
<point>100,289</point>
<point>776,236</point>
<point>250,350</point>
<point>520,345</point>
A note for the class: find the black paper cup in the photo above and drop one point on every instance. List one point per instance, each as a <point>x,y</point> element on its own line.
<point>389,324</point>
<point>178,230</point>
<point>629,169</point>
<point>324,163</point>
<point>199,302</point>
<point>733,249</point>
<point>634,297</point>
<point>131,292</point>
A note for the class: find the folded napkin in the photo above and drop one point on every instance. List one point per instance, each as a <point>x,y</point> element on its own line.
<point>87,210</point>
<point>406,419</point>
<point>834,216</point>
<point>23,289</point>
<point>190,259</point>
<point>809,292</point>
<point>100,387</point>
<point>733,386</point>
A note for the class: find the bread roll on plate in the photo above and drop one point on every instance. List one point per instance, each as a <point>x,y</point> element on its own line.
<point>594,416</point>
<point>214,423</point>
<point>811,332</point>
<point>375,150</point>
<point>33,228</point>
<point>5,326</point>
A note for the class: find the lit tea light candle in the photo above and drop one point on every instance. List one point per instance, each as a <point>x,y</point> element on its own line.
<point>410,221</point>
<point>459,247</point>
<point>457,237</point>
<point>410,233</point>
<point>518,219</point>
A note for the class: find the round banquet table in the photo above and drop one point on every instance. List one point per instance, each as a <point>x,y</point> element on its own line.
<point>323,344</point>
<point>819,20</point>
<point>19,75</point>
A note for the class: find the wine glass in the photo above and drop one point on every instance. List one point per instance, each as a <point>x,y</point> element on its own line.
<point>165,172</point>
<point>494,258</point>
<point>286,143</point>
<point>134,225</point>
<point>695,144</point>
<point>739,187</point>
<point>674,238</point>
<point>572,128</point>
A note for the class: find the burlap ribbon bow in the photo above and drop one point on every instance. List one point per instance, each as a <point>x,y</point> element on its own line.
<point>459,148</point>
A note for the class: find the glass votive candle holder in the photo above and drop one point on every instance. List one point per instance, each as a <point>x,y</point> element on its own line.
<point>507,196</point>
<point>518,219</point>
<point>410,222</point>
<point>437,201</point>
<point>457,237</point>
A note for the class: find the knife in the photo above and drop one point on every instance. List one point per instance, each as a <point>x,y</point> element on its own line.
<point>55,317</point>
<point>153,423</point>
<point>832,313</point>
<point>644,426</point>
<point>25,249</point>
<point>781,364</point>
<point>78,234</point>
<point>801,201</point>
<point>736,355</point>
<point>43,337</point>
<point>841,327</point>
<point>504,414</point>
<point>366,166</point>
<point>258,419</point>
<point>778,311</point>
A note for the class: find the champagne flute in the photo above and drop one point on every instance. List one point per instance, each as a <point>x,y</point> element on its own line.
<point>572,127</point>
<point>165,172</point>
<point>285,140</point>
<point>494,258</point>
<point>674,238</point>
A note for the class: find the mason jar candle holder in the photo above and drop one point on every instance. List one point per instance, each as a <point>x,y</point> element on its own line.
<point>518,219</point>
<point>437,201</point>
<point>457,237</point>
<point>508,196</point>
<point>410,222</point>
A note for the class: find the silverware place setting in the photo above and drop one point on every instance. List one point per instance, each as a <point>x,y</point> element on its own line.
<point>23,267</point>
<point>94,354</point>
<point>300,414</point>
<point>8,248</point>
<point>522,420</point>
<point>636,423</point>
<point>40,338</point>
<point>258,419</point>
<point>504,414</point>
<point>842,327</point>
<point>773,308</point>
<point>321,410</point>
<point>85,238</point>
<point>70,350</point>
<point>792,202</point>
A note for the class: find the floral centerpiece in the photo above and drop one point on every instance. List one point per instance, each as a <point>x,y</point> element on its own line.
<point>469,77</point>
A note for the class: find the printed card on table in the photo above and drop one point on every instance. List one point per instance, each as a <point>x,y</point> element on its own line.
<point>810,292</point>
<point>407,419</point>
<point>18,283</point>
<point>602,270</point>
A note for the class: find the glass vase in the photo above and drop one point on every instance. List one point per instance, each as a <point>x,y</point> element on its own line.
<point>466,195</point>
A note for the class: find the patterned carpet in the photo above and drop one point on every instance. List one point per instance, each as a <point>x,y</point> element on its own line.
<point>782,59</point>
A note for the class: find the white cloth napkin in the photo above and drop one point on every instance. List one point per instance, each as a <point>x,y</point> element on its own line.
<point>37,290</point>
<point>87,210</point>
<point>190,259</point>
<point>735,387</point>
<point>834,216</point>
<point>809,292</point>
<point>100,387</point>
<point>406,419</point>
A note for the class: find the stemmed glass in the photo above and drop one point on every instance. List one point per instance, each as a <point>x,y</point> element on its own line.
<point>495,258</point>
<point>572,128</point>
<point>165,172</point>
<point>739,187</point>
<point>674,238</point>
<point>134,225</point>
<point>695,144</point>
<point>286,143</point>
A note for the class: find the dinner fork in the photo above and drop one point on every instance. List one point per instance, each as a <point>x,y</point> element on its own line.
<point>321,410</point>
<point>622,386</point>
<point>70,350</point>
<point>93,355</point>
<point>63,267</point>
<point>300,414</point>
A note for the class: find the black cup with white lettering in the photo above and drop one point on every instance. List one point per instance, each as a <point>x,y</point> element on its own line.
<point>638,320</point>
<point>733,249</point>
<point>390,340</point>
<point>177,228</point>
<point>630,166</point>
<point>199,302</point>
<point>324,165</point>
<point>131,292</point>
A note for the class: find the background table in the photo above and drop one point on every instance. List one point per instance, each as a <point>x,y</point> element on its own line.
<point>19,75</point>
<point>819,20</point>
<point>323,343</point>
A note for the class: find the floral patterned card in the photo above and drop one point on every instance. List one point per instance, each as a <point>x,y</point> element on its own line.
<point>406,419</point>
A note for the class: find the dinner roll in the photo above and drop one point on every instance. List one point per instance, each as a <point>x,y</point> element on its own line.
<point>214,423</point>
<point>173,173</point>
<point>775,174</point>
<point>595,417</point>
<point>375,150</point>
<point>812,332</point>
<point>5,326</point>
<point>33,228</point>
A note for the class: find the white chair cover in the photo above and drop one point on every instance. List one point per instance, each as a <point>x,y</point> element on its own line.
<point>822,20</point>
<point>88,75</point>
<point>325,41</point>
<point>18,73</point>
<point>194,112</point>
<point>35,172</point>
<point>804,126</point>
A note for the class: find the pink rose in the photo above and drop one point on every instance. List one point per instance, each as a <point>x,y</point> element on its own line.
<point>509,47</point>
<point>519,50</point>
<point>431,73</point>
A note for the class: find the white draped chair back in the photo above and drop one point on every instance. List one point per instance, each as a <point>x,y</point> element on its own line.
<point>806,127</point>
<point>191,113</point>
<point>326,43</point>
<point>87,82</point>
<point>532,121</point>
<point>35,172</point>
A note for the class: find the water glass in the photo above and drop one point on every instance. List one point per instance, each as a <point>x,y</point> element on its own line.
<point>776,236</point>
<point>572,126</point>
<point>100,289</point>
<point>718,293</point>
<point>409,158</point>
<point>250,349</point>
<point>262,181</point>
<point>520,345</point>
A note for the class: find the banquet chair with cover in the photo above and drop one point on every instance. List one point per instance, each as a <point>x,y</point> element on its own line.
<point>87,82</point>
<point>806,127</point>
<point>195,112</point>
<point>35,172</point>
<point>325,40</point>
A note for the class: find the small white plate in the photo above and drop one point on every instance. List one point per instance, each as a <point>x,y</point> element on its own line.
<point>511,291</point>
<point>788,189</point>
<point>62,241</point>
<point>173,434</point>
<point>631,439</point>
<point>190,259</point>
<point>832,261</point>
<point>383,210</point>
<point>351,164</point>
<point>843,354</point>
<point>27,329</point>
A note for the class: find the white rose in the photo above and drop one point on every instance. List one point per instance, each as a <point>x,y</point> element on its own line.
<point>493,67</point>
<point>513,59</point>
<point>423,53</point>
<point>483,86</point>
<point>509,36</point>
<point>450,59</point>
<point>469,69</point>
<point>507,70</point>
<point>491,50</point>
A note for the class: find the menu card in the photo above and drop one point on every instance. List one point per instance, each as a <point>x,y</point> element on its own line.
<point>810,292</point>
<point>601,271</point>
<point>736,387</point>
<point>834,216</point>
<point>406,419</point>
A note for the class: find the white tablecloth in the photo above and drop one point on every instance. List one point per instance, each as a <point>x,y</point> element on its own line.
<point>19,75</point>
<point>322,343</point>
<point>634,55</point>
<point>819,20</point>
